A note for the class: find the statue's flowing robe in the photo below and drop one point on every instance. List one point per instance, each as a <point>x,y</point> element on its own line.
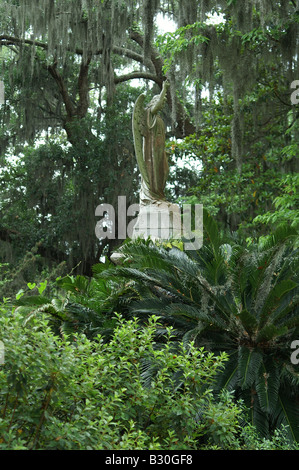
<point>149,141</point>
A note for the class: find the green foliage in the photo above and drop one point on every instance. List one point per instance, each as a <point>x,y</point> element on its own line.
<point>80,104</point>
<point>234,298</point>
<point>77,304</point>
<point>230,296</point>
<point>173,44</point>
<point>51,389</point>
<point>252,441</point>
<point>264,189</point>
<point>286,204</point>
<point>49,194</point>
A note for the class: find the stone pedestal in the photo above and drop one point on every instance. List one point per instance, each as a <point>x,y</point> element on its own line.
<point>161,221</point>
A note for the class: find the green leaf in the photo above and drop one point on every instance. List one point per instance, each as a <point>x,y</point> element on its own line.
<point>267,386</point>
<point>274,299</point>
<point>42,287</point>
<point>269,332</point>
<point>248,321</point>
<point>289,414</point>
<point>212,230</point>
<point>248,365</point>
<point>228,378</point>
<point>33,300</point>
<point>31,285</point>
<point>19,294</point>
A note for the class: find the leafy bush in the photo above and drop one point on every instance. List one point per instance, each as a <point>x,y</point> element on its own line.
<point>285,205</point>
<point>279,441</point>
<point>83,394</point>
<point>78,304</point>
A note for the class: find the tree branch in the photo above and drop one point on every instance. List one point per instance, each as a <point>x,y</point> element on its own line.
<point>154,56</point>
<point>83,89</point>
<point>70,110</point>
<point>123,51</point>
<point>184,125</point>
<point>12,40</point>
<point>139,74</point>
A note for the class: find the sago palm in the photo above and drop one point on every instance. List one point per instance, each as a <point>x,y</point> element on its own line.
<point>80,304</point>
<point>233,298</point>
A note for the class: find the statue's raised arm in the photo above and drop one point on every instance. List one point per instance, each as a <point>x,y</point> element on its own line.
<point>149,142</point>
<point>158,101</point>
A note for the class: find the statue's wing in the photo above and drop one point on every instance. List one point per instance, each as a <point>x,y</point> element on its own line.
<point>138,124</point>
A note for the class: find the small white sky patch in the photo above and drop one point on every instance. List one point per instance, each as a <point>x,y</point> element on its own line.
<point>164,24</point>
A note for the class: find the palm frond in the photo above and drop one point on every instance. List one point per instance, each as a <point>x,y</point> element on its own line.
<point>249,321</point>
<point>288,413</point>
<point>274,299</point>
<point>32,301</point>
<point>229,377</point>
<point>212,232</point>
<point>267,386</point>
<point>269,332</point>
<point>249,362</point>
<point>283,233</point>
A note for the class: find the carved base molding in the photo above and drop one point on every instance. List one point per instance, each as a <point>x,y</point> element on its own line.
<point>161,221</point>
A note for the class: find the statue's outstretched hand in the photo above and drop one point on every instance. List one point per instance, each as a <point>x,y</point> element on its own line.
<point>165,85</point>
<point>159,100</point>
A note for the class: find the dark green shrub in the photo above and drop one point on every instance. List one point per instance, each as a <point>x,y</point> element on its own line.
<point>79,304</point>
<point>83,394</point>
